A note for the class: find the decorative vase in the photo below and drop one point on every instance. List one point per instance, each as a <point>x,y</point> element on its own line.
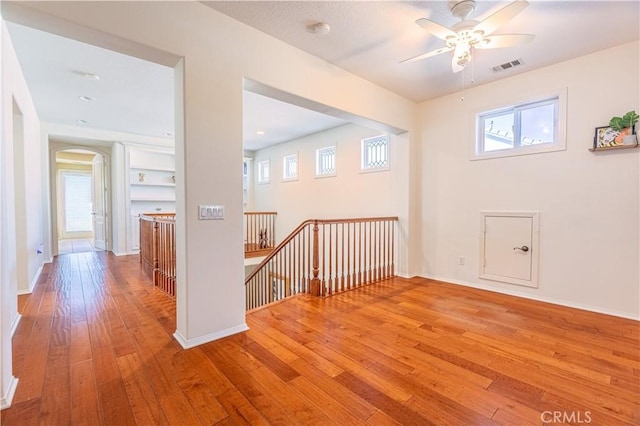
<point>619,139</point>
<point>631,138</point>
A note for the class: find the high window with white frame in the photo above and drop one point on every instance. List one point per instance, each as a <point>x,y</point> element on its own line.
<point>263,171</point>
<point>326,162</point>
<point>374,153</point>
<point>528,127</point>
<point>290,167</point>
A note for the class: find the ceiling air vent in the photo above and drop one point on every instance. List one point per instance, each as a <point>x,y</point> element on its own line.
<point>508,65</point>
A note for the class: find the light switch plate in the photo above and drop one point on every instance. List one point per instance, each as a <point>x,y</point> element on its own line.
<point>210,212</point>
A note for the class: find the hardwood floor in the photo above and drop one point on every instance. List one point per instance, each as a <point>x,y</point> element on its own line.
<point>94,347</point>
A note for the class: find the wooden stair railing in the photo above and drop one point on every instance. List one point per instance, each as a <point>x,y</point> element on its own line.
<point>325,257</point>
<point>158,249</point>
<point>259,233</point>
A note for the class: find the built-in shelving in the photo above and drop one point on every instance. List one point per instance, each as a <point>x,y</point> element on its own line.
<point>151,187</point>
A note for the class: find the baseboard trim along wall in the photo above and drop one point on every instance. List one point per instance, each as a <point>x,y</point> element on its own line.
<point>191,343</point>
<point>566,303</point>
<point>15,323</point>
<point>6,400</point>
<point>34,281</point>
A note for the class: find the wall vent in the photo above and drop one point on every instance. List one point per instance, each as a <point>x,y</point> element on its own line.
<point>508,65</point>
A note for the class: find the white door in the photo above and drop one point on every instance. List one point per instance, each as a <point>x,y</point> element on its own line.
<point>99,203</point>
<point>509,247</point>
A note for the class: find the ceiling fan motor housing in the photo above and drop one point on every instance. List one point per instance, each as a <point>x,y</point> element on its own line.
<point>462,9</point>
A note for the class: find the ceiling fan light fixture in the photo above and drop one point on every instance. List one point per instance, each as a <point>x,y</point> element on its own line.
<point>461,56</point>
<point>470,34</point>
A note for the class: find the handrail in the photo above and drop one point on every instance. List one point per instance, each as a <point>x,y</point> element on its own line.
<point>278,248</point>
<point>295,232</point>
<point>324,257</point>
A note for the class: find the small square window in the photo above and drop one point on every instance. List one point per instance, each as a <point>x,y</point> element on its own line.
<point>263,171</point>
<point>375,153</point>
<point>290,167</point>
<point>326,162</point>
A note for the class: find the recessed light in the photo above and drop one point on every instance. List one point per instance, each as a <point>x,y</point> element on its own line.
<point>94,77</point>
<point>87,98</point>
<point>260,132</point>
<point>82,121</point>
<point>167,134</point>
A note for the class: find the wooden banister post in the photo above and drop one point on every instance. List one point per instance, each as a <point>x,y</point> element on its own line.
<point>315,281</point>
<point>155,251</point>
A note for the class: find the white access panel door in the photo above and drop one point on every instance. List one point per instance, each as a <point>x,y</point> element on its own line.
<point>99,204</point>
<point>509,247</point>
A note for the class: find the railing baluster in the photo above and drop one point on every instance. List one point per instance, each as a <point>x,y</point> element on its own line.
<point>322,257</point>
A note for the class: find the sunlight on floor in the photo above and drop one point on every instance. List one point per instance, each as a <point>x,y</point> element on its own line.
<point>75,245</point>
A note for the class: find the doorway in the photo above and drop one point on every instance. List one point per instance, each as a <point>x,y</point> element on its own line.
<point>81,189</point>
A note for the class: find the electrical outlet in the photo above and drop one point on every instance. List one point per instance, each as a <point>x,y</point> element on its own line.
<point>461,260</point>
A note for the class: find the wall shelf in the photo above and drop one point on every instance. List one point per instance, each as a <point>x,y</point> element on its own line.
<point>154,199</point>
<point>153,169</point>
<point>152,184</point>
<point>611,148</point>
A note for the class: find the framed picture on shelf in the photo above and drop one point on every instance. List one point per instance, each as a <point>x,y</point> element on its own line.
<point>605,137</point>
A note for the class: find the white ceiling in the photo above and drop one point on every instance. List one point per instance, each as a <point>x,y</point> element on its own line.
<point>368,38</point>
<point>133,95</point>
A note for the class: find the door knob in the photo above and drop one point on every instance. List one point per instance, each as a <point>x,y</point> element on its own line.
<point>523,248</point>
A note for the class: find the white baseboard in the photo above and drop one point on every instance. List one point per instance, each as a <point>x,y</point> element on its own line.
<point>7,398</point>
<point>569,304</point>
<point>191,343</point>
<point>34,281</point>
<point>14,323</point>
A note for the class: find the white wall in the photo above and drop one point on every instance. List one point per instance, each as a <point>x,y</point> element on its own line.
<point>210,301</point>
<point>14,89</point>
<point>349,194</point>
<point>588,202</point>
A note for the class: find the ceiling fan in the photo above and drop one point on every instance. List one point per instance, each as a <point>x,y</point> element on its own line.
<point>470,34</point>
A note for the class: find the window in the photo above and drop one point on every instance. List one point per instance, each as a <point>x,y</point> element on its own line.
<point>263,171</point>
<point>77,202</point>
<point>326,162</point>
<point>375,153</point>
<point>521,129</point>
<point>290,167</point>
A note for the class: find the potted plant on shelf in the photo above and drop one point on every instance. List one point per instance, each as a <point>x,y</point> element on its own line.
<point>626,126</point>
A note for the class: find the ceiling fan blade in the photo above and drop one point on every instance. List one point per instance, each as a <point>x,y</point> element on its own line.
<point>501,17</point>
<point>435,28</point>
<point>428,54</point>
<point>504,40</point>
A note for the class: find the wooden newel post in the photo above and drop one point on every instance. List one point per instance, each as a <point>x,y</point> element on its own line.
<point>315,281</point>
